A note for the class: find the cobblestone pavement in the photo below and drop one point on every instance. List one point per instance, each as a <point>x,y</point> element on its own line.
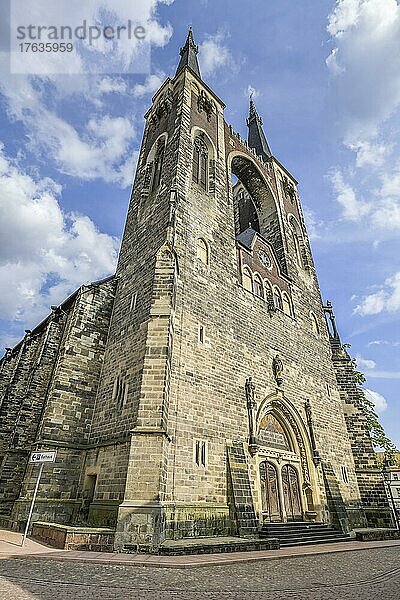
<point>363,575</point>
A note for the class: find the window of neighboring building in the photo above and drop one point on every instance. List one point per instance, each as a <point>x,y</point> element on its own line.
<point>247,280</point>
<point>258,286</point>
<point>200,162</point>
<point>287,307</point>
<point>277,299</point>
<point>395,476</point>
<point>202,251</point>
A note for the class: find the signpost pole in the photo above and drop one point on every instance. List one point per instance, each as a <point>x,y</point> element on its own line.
<point>32,504</point>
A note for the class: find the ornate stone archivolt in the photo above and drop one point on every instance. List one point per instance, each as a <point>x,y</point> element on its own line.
<point>281,409</point>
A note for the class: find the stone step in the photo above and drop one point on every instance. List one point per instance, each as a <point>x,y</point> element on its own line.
<point>316,540</point>
<point>302,533</point>
<point>308,535</point>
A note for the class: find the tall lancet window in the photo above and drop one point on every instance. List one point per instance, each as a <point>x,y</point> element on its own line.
<point>158,164</point>
<point>200,162</point>
<point>297,247</point>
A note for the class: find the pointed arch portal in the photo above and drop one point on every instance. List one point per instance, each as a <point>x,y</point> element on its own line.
<point>288,485</point>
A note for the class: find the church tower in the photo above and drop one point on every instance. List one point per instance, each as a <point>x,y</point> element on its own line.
<point>218,381</point>
<point>223,400</point>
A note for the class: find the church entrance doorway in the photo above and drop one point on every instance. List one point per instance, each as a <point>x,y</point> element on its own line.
<point>291,493</point>
<point>270,492</point>
<point>280,493</point>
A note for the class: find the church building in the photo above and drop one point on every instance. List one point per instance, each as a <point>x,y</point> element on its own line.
<point>203,389</point>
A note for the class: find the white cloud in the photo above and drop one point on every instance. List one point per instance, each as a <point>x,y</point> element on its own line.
<point>354,209</point>
<point>378,343</point>
<point>109,85</point>
<point>369,154</point>
<point>151,85</point>
<point>316,228</point>
<point>387,299</point>
<point>101,55</point>
<point>365,363</point>
<point>45,253</point>
<point>377,399</point>
<point>214,54</point>
<point>365,64</point>
<point>101,151</point>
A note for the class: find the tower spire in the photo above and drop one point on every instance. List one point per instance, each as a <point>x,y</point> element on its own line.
<point>189,55</point>
<point>256,136</point>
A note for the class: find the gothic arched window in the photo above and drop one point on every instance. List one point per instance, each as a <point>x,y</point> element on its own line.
<point>314,323</point>
<point>297,241</point>
<point>287,307</point>
<point>202,251</point>
<point>247,280</point>
<point>200,162</point>
<point>158,163</point>
<point>269,296</point>
<point>258,286</point>
<point>278,299</point>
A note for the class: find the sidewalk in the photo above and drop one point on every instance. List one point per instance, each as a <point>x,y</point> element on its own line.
<point>10,547</point>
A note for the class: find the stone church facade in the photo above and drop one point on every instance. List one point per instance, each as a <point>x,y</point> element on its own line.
<point>203,389</point>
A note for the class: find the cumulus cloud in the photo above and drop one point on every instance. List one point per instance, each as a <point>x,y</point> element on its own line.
<point>45,252</point>
<point>214,54</point>
<point>124,53</point>
<point>150,85</point>
<point>365,91</point>
<point>365,363</point>
<point>110,85</point>
<point>377,399</point>
<point>386,299</point>
<point>354,209</point>
<point>365,64</point>
<point>99,152</point>
<point>370,154</point>
<point>381,211</point>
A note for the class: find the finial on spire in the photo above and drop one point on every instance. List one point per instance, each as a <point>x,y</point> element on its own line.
<point>189,55</point>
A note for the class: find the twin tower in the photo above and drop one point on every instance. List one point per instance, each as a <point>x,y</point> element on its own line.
<point>200,390</point>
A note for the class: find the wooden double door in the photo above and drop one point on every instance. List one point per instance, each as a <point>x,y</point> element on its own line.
<point>280,491</point>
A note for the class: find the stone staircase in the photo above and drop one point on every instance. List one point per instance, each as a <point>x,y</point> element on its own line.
<point>302,533</point>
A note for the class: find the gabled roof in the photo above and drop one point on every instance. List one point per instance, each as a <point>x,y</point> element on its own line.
<point>246,237</point>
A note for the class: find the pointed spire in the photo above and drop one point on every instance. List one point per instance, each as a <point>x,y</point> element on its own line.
<point>189,55</point>
<point>256,136</point>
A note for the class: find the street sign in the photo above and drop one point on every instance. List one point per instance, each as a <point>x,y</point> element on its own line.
<point>42,457</point>
<point>39,458</point>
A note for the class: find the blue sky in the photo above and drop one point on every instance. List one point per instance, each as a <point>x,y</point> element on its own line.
<point>326,79</point>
